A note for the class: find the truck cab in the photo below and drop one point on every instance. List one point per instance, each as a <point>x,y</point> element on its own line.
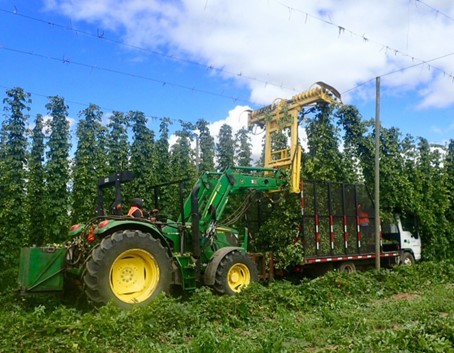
<point>401,233</point>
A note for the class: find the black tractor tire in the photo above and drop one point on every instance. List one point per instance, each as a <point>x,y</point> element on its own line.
<point>407,259</point>
<point>234,273</point>
<point>129,268</point>
<point>347,267</point>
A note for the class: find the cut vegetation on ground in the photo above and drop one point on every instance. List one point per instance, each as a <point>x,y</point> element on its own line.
<point>407,309</point>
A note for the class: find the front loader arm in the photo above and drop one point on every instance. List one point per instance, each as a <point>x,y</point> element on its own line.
<point>205,185</point>
<point>234,180</point>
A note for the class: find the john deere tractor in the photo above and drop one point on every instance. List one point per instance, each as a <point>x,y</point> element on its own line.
<point>131,260</point>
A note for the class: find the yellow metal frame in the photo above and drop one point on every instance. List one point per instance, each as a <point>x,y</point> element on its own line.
<point>284,114</point>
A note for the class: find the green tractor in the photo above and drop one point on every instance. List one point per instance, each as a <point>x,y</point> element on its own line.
<point>131,260</point>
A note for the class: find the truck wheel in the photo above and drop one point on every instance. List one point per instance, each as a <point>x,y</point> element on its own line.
<point>347,267</point>
<point>407,259</point>
<point>130,268</point>
<point>235,272</point>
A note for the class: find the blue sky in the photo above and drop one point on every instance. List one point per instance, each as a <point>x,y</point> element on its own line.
<point>191,59</point>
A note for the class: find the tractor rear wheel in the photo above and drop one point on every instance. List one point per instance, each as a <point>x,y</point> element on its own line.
<point>234,273</point>
<point>129,267</point>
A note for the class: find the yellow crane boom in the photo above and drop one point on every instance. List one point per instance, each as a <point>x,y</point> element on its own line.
<point>284,115</point>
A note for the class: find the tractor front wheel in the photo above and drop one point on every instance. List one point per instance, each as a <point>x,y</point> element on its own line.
<point>129,267</point>
<point>235,272</point>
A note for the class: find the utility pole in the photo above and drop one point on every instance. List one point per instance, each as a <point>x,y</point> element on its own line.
<point>377,174</point>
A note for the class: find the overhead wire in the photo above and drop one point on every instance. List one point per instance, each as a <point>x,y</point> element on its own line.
<point>103,108</point>
<point>101,36</point>
<point>66,60</point>
<point>400,70</point>
<point>438,12</point>
<point>343,29</point>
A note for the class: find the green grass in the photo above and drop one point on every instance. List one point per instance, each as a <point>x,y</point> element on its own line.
<point>408,309</point>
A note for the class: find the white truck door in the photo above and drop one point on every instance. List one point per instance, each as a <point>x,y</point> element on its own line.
<point>409,238</point>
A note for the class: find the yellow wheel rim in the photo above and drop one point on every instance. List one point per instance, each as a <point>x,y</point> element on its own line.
<point>134,276</point>
<point>238,277</point>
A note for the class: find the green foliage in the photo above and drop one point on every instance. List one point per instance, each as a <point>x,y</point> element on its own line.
<point>117,143</point>
<point>431,200</point>
<point>358,144</point>
<point>143,157</point>
<point>163,151</point>
<point>225,148</point>
<point>393,182</point>
<point>89,163</point>
<point>36,187</point>
<point>206,143</point>
<point>280,230</point>
<point>243,148</point>
<point>13,170</point>
<point>37,184</point>
<point>182,161</point>
<point>117,152</point>
<point>163,168</point>
<point>279,140</point>
<point>324,161</point>
<point>414,178</point>
<point>450,191</point>
<point>404,309</point>
<point>3,173</point>
<point>57,171</point>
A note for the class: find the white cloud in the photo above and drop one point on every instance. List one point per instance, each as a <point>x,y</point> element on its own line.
<point>292,43</point>
<point>438,94</point>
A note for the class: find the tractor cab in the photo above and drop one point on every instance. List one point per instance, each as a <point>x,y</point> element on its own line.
<point>401,233</point>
